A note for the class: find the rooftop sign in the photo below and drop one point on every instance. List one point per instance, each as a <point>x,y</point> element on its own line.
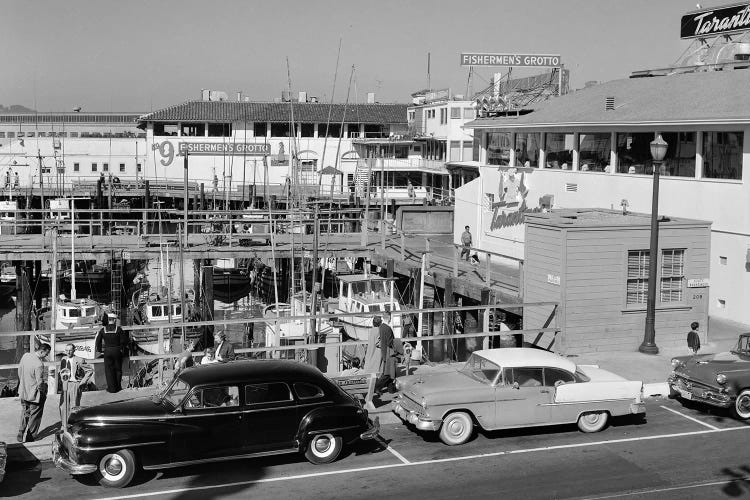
<point>529,60</point>
<point>224,148</point>
<point>713,22</point>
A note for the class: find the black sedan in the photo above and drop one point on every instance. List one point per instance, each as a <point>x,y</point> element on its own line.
<point>215,412</point>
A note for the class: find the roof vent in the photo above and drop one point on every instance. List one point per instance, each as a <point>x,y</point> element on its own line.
<point>609,103</point>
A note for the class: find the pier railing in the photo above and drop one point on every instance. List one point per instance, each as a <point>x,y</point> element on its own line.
<point>484,319</point>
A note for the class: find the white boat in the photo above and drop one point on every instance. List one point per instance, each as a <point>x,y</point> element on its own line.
<point>359,293</point>
<point>295,332</point>
<point>80,319</point>
<point>157,311</point>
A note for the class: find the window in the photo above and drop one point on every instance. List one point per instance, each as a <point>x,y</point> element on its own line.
<point>220,130</point>
<point>214,397</point>
<point>455,113</point>
<point>637,286</point>
<point>307,129</point>
<point>93,167</point>
<point>524,377</point>
<point>556,376</point>
<point>138,167</point>
<point>443,116</point>
<point>122,167</point>
<point>307,391</point>
<point>279,130</point>
<point>105,167</point>
<point>411,115</point>
<point>22,134</point>
<point>193,129</point>
<point>76,167</point>
<point>11,135</point>
<point>74,134</point>
<point>43,134</point>
<point>498,148</point>
<point>455,150</point>
<point>527,149</point>
<point>469,113</point>
<point>481,368</point>
<point>2,135</point>
<point>329,129</point>
<point>353,130</point>
<point>167,129</point>
<point>593,151</point>
<point>260,129</point>
<point>558,149</point>
<point>634,150</point>
<point>680,158</point>
<point>672,275</point>
<point>267,393</point>
<point>722,155</point>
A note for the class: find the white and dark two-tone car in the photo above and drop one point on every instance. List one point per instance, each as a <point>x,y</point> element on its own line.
<point>515,387</point>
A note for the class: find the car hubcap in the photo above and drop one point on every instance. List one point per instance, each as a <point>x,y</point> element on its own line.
<point>456,427</point>
<point>112,467</point>
<point>743,405</point>
<point>592,418</point>
<point>322,445</point>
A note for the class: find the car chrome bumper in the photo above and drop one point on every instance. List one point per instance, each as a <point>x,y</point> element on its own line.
<point>372,431</point>
<point>415,419</point>
<point>700,394</point>
<point>63,462</point>
<point>637,408</point>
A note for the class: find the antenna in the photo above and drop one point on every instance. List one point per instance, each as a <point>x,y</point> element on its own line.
<point>429,87</point>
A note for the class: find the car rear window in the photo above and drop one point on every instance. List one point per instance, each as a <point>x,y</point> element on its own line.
<point>307,391</point>
<point>267,393</point>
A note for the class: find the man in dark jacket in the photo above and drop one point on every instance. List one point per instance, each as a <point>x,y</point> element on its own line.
<point>693,339</point>
<point>388,353</point>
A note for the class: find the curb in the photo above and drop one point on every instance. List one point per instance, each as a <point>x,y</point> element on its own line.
<point>28,453</point>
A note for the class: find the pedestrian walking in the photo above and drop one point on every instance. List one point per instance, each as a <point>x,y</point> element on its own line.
<point>32,391</point>
<point>373,355</point>
<point>74,374</point>
<point>693,339</point>
<point>466,241</point>
<point>112,342</point>
<point>389,352</point>
<point>410,192</point>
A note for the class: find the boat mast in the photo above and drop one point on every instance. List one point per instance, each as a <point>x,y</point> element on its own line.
<point>72,249</point>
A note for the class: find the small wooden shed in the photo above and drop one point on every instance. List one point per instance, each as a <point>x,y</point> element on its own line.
<point>594,262</point>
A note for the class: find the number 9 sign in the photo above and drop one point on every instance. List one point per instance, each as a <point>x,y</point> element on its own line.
<point>166,150</point>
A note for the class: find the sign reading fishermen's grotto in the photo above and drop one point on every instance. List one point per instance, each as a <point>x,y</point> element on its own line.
<point>510,208</point>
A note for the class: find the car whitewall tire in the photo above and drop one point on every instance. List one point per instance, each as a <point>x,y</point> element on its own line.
<point>741,407</point>
<point>456,429</point>
<point>323,449</point>
<point>116,470</point>
<point>593,421</point>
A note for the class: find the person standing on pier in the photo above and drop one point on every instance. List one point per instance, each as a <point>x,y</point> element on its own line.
<point>32,391</point>
<point>466,241</point>
<point>78,374</point>
<point>373,355</point>
<point>224,349</point>
<point>112,342</point>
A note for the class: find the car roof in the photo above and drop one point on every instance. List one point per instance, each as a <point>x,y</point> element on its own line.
<point>511,357</point>
<point>249,370</point>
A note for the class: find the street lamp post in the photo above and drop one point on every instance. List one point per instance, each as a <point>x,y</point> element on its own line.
<point>648,346</point>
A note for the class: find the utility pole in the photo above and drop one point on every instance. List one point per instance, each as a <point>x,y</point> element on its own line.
<point>367,202</point>
<point>314,301</point>
<point>41,185</point>
<point>185,193</point>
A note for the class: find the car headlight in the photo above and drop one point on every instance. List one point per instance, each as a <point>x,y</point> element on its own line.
<point>676,363</point>
<point>721,378</point>
<point>399,385</point>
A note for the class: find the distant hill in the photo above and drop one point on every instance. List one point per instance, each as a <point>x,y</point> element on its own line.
<point>15,108</point>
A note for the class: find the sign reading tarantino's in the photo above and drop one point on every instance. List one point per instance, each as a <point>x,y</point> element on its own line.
<point>224,148</point>
<point>713,22</point>
<point>529,60</point>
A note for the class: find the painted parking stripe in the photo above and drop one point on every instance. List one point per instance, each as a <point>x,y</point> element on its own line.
<point>424,462</point>
<point>690,418</point>
<point>388,447</point>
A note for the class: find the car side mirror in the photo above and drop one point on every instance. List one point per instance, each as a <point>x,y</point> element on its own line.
<point>515,385</point>
<point>179,410</point>
<point>558,383</point>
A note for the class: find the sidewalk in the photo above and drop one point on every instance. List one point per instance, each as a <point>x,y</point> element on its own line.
<point>652,369</point>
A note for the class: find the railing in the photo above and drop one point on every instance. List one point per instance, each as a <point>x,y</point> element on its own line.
<point>487,313</point>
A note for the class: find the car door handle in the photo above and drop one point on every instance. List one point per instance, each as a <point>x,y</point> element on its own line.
<point>544,391</point>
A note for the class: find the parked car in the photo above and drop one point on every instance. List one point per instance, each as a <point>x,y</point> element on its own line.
<point>721,379</point>
<point>515,387</point>
<point>215,412</point>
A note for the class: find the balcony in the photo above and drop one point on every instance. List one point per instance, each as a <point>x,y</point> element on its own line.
<point>406,164</point>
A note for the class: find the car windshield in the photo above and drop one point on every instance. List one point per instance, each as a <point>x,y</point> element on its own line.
<point>174,393</point>
<point>743,345</point>
<point>481,369</point>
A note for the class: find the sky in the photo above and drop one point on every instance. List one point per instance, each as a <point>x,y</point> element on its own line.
<point>138,55</point>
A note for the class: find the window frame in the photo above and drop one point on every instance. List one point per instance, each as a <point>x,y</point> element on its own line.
<point>672,278</point>
<point>266,403</point>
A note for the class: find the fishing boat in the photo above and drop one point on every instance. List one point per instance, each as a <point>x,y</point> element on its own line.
<point>230,283</point>
<point>160,311</point>
<point>79,318</point>
<point>360,293</point>
<point>294,332</point>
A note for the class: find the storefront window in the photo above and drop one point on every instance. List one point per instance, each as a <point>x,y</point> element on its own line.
<point>593,152</point>
<point>722,155</point>
<point>558,149</point>
<point>498,148</point>
<point>634,152</point>
<point>527,149</point>
<point>680,158</point>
